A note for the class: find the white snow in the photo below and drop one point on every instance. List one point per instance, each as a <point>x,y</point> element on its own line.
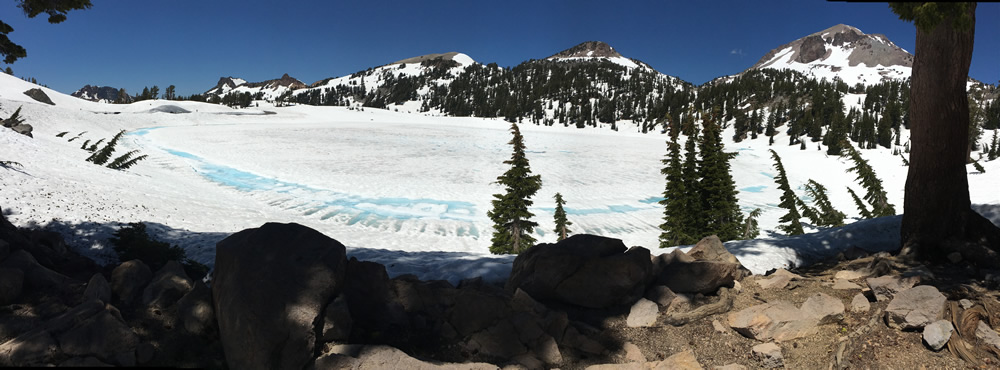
<point>406,190</point>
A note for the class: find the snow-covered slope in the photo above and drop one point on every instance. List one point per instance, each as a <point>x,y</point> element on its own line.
<point>406,190</point>
<point>843,52</point>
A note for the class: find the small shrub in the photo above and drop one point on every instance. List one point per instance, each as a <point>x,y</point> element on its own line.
<point>61,134</point>
<point>132,242</point>
<point>102,156</point>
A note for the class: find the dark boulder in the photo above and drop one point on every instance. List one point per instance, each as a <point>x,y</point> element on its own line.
<point>129,279</point>
<point>39,96</point>
<point>583,270</point>
<point>270,287</point>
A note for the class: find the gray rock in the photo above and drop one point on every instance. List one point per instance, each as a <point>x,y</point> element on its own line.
<point>937,334</point>
<point>194,310</point>
<point>383,357</point>
<point>719,328</point>
<point>500,340</point>
<point>475,311</point>
<point>710,248</point>
<point>699,276</point>
<point>583,270</point>
<point>769,355</point>
<point>965,303</point>
<point>824,308</point>
<point>337,320</point>
<point>684,360</point>
<point>955,257</point>
<point>886,287</point>
<point>34,348</point>
<point>914,308</point>
<point>39,96</point>
<point>778,320</point>
<point>778,280</point>
<point>167,287</point>
<point>860,303</point>
<point>89,361</point>
<point>36,276</point>
<point>574,339</point>
<point>547,350</point>
<point>985,333</point>
<point>11,285</point>
<point>660,294</point>
<point>23,129</point>
<point>851,274</point>
<point>633,353</point>
<point>98,288</point>
<point>279,277</point>
<point>102,335</point>
<point>841,284</point>
<point>730,367</point>
<point>129,279</point>
<point>643,314</point>
<point>144,353</point>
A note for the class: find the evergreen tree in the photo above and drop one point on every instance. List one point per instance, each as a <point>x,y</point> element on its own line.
<point>719,204</point>
<point>676,197</point>
<point>562,225</point>
<point>511,219</point>
<point>993,152</point>
<point>862,208</point>
<point>693,214</point>
<point>875,195</point>
<point>750,228</point>
<point>102,156</point>
<point>825,214</point>
<point>789,200</point>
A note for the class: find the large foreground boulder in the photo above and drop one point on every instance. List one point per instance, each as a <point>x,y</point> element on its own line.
<point>583,270</point>
<point>270,287</point>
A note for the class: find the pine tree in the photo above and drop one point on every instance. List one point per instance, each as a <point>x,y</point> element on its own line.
<point>750,228</point>
<point>562,225</point>
<point>121,160</point>
<point>675,198</point>
<point>720,205</point>
<point>862,208</point>
<point>994,151</point>
<point>789,200</point>
<point>102,156</point>
<point>875,195</point>
<point>693,219</point>
<point>511,219</point>
<point>826,215</point>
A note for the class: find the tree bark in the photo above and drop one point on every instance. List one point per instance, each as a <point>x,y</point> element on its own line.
<point>937,216</point>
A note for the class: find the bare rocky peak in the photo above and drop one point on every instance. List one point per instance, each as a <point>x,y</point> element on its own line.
<point>97,93</point>
<point>589,49</point>
<point>423,58</point>
<point>872,50</point>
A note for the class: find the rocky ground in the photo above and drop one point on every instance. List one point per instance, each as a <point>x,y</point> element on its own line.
<point>285,296</point>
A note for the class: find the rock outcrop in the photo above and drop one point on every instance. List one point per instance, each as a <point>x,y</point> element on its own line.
<point>279,277</point>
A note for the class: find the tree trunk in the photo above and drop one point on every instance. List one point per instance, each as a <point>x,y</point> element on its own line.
<point>937,216</point>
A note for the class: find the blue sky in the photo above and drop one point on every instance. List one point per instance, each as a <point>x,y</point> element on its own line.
<point>191,43</point>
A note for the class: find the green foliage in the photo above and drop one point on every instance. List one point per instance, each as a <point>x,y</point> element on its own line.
<point>119,162</point>
<point>789,200</point>
<point>127,164</point>
<point>927,15</point>
<point>562,224</point>
<point>84,146</point>
<point>717,189</point>
<point>676,198</point>
<point>875,194</point>
<point>133,242</point>
<point>979,167</point>
<point>14,119</point>
<point>61,134</point>
<point>93,147</point>
<point>823,215</point>
<point>55,9</point>
<point>76,137</point>
<point>102,156</point>
<point>511,219</point>
<point>750,228</point>
<point>862,208</point>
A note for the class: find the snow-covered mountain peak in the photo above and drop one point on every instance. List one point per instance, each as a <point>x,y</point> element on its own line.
<point>460,58</point>
<point>842,51</point>
<point>595,50</point>
<point>269,88</point>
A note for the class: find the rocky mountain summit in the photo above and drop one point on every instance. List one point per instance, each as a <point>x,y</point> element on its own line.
<point>842,51</point>
<point>588,49</point>
<point>106,94</point>
<point>269,87</point>
<point>286,296</point>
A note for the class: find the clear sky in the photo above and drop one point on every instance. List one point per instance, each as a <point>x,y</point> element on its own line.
<point>191,43</point>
